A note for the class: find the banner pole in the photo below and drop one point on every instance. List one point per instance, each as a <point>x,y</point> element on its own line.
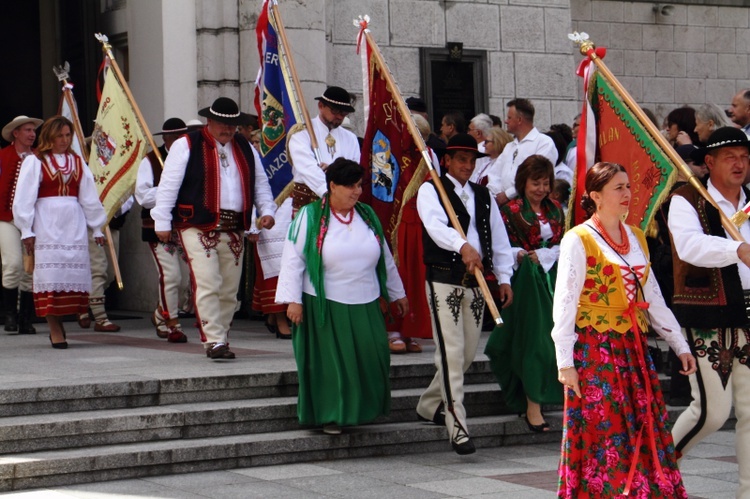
<point>587,49</point>
<point>406,116</point>
<point>62,73</point>
<point>107,49</point>
<point>288,60</point>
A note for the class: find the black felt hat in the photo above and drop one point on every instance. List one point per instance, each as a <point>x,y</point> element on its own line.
<point>337,98</point>
<point>224,110</point>
<point>173,125</point>
<point>464,142</point>
<point>416,104</point>
<point>726,136</point>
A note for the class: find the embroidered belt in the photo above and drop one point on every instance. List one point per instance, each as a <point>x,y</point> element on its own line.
<point>302,195</point>
<point>451,275</point>
<point>229,221</point>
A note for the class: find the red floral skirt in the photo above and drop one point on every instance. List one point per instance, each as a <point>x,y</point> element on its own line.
<point>60,303</point>
<point>601,429</point>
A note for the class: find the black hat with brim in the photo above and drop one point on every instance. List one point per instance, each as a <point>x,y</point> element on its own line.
<point>337,98</point>
<point>416,104</point>
<point>726,136</point>
<point>464,142</point>
<point>173,125</point>
<point>224,110</point>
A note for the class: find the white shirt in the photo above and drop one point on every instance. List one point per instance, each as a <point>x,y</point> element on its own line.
<point>702,250</point>
<point>563,172</point>
<point>482,168</point>
<point>571,274</point>
<point>350,258</point>
<point>435,221</point>
<point>502,175</point>
<point>230,188</point>
<point>304,167</point>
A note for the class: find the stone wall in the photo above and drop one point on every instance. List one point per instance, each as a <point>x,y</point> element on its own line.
<point>697,54</point>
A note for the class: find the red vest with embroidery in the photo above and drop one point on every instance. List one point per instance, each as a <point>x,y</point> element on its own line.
<point>10,166</point>
<point>53,184</point>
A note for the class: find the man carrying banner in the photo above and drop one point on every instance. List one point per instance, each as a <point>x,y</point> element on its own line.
<point>166,255</point>
<point>454,295</point>
<point>211,180</point>
<point>520,123</point>
<point>334,142</point>
<point>712,298</point>
<point>21,133</point>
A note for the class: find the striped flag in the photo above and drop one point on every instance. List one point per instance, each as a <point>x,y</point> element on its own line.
<point>277,110</point>
<point>117,147</point>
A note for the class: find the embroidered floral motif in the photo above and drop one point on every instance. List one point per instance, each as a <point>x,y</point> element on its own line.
<point>236,246</point>
<point>477,306</point>
<point>600,283</point>
<point>721,346</point>
<point>453,300</point>
<point>209,240</point>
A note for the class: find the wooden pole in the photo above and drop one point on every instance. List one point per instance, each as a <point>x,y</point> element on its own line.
<point>288,59</point>
<point>417,137</point>
<point>587,48</point>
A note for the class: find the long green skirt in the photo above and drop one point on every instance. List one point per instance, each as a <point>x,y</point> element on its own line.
<point>343,365</point>
<point>521,351</point>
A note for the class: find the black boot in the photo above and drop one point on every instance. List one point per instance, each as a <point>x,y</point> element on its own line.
<point>10,303</point>
<point>26,314</point>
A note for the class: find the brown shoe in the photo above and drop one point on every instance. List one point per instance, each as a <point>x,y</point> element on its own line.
<point>84,320</point>
<point>220,351</point>
<point>412,345</point>
<point>162,331</point>
<point>104,326</point>
<point>396,345</point>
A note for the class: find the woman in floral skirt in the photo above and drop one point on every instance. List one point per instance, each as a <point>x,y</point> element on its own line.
<point>615,439</point>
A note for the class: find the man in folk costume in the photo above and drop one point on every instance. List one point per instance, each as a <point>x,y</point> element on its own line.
<point>21,133</point>
<point>712,298</point>
<point>334,141</point>
<point>456,302</point>
<point>211,180</point>
<point>166,255</point>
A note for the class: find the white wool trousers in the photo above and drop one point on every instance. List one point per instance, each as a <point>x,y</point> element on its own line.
<point>456,314</point>
<point>11,253</point>
<point>716,387</point>
<point>167,258</point>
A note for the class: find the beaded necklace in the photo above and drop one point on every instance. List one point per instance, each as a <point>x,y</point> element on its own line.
<point>623,248</point>
<point>343,219</point>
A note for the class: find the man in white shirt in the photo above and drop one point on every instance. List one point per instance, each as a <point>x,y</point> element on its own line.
<point>211,180</point>
<point>479,128</point>
<point>455,299</point>
<point>712,298</point>
<point>334,141</point>
<point>740,110</point>
<point>520,123</point>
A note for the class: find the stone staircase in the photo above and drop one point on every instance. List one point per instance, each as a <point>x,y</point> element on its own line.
<point>66,434</point>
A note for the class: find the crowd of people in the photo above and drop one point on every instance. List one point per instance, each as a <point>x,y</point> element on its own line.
<point>577,304</point>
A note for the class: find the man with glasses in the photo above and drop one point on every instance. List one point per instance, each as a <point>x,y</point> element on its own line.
<point>479,128</point>
<point>334,141</point>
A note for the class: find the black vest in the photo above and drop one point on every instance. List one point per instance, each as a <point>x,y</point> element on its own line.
<point>707,298</point>
<point>147,228</point>
<point>435,256</point>
<point>198,200</point>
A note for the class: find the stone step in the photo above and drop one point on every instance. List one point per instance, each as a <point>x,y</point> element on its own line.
<point>30,433</point>
<point>126,392</point>
<point>111,462</point>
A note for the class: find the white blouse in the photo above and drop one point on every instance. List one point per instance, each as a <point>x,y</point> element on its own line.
<point>350,258</point>
<point>571,274</point>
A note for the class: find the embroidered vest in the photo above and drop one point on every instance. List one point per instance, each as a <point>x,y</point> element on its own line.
<point>604,303</point>
<point>10,166</point>
<point>53,184</point>
<point>706,297</point>
<point>198,200</point>
<point>147,230</point>
<point>435,255</point>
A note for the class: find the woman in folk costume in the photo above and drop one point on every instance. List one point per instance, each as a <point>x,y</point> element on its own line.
<point>615,437</point>
<point>59,202</point>
<point>335,267</point>
<point>522,354</point>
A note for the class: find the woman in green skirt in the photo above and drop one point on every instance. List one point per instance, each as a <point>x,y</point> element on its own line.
<point>334,269</point>
<point>521,352</point>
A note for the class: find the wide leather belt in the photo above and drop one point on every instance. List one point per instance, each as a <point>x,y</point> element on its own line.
<point>302,195</point>
<point>229,221</point>
<point>451,275</point>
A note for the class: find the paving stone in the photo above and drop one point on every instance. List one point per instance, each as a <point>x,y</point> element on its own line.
<point>466,486</point>
<point>284,472</point>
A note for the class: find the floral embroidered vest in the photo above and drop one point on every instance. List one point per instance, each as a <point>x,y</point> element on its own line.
<point>604,302</point>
